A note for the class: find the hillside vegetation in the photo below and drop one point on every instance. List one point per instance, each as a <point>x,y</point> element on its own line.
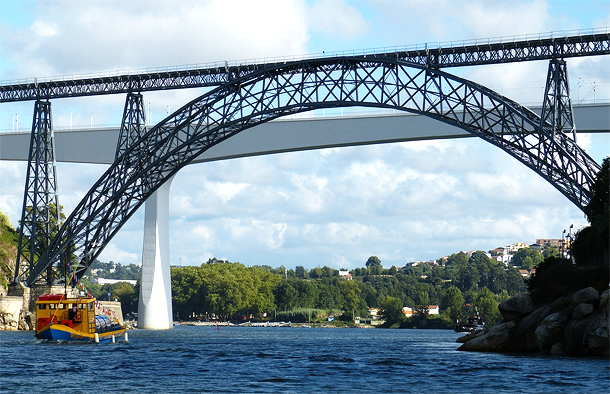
<point>8,251</point>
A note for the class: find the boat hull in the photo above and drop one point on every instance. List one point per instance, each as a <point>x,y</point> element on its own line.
<point>58,332</point>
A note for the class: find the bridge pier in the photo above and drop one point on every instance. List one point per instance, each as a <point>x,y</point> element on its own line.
<point>155,304</point>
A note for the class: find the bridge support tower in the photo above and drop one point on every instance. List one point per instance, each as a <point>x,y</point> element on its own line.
<point>155,305</point>
<point>155,301</point>
<point>40,216</point>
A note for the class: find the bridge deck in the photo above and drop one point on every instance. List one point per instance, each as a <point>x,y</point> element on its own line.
<point>99,145</point>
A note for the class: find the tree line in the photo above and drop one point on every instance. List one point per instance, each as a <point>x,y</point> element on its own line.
<point>224,290</point>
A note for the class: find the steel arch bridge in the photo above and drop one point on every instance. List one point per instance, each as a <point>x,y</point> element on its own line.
<point>279,90</point>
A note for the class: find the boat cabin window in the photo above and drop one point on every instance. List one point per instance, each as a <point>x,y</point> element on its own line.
<point>82,306</point>
<point>42,306</point>
<point>90,306</point>
<point>62,306</point>
<point>52,306</point>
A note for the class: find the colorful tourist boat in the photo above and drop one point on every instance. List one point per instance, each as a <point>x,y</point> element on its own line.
<point>62,318</point>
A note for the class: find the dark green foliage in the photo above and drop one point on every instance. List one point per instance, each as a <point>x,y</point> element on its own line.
<point>591,246</point>
<point>391,311</point>
<point>556,277</point>
<point>217,288</point>
<point>438,322</point>
<point>8,250</point>
<point>226,290</point>
<point>527,258</point>
<point>373,265</point>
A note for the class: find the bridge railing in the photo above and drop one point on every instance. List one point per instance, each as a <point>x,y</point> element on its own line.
<point>285,59</point>
<point>311,115</point>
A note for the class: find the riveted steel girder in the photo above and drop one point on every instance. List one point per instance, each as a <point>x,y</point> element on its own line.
<point>302,86</point>
<point>40,213</point>
<point>133,124</point>
<point>477,53</point>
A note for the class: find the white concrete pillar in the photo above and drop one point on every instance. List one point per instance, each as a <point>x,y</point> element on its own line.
<point>155,305</point>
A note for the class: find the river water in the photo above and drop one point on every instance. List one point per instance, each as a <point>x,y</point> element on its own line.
<point>191,359</point>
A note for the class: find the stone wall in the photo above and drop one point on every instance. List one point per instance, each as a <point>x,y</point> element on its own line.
<point>10,312</point>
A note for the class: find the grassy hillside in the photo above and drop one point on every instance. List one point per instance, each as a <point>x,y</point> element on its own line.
<point>8,250</point>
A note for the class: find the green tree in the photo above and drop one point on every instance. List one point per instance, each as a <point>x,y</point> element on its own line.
<point>301,273</point>
<point>350,294</point>
<point>591,247</point>
<point>452,303</point>
<point>423,303</point>
<point>125,293</point>
<point>549,251</point>
<point>527,258</point>
<point>391,311</point>
<point>373,265</point>
<point>485,301</point>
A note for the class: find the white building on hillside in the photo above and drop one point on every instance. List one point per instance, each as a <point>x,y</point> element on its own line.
<point>103,281</point>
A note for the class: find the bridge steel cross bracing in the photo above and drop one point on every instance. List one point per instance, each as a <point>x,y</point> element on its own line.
<point>40,212</point>
<point>475,53</point>
<point>302,86</point>
<point>133,124</point>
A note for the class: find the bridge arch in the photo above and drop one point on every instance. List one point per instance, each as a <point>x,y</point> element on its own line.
<point>284,89</point>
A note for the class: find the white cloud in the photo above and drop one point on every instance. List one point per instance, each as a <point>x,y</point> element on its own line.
<point>227,190</point>
<point>337,18</point>
<point>112,253</point>
<point>109,35</point>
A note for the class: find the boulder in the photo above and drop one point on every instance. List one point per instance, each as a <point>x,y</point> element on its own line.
<point>524,338</point>
<point>603,299</point>
<point>596,336</point>
<point>582,310</point>
<point>491,339</point>
<point>575,334</point>
<point>516,306</point>
<point>557,350</point>
<point>587,295</point>
<point>551,330</point>
<point>468,336</point>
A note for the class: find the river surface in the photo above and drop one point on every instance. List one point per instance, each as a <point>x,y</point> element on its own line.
<point>191,359</point>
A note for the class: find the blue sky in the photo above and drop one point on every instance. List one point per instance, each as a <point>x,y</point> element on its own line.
<point>401,202</point>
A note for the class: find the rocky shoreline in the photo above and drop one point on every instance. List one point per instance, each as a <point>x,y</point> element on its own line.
<point>574,325</point>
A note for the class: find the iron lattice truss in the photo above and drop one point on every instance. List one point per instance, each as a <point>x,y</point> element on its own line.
<point>557,105</point>
<point>463,55</point>
<point>133,124</point>
<point>303,86</point>
<point>40,213</point>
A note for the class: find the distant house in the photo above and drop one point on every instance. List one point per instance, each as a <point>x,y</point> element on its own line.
<point>407,311</point>
<point>524,273</point>
<point>432,310</point>
<point>345,274</point>
<point>515,247</point>
<point>555,243</point>
<point>103,281</point>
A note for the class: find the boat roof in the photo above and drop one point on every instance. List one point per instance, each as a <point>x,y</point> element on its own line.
<point>62,298</point>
